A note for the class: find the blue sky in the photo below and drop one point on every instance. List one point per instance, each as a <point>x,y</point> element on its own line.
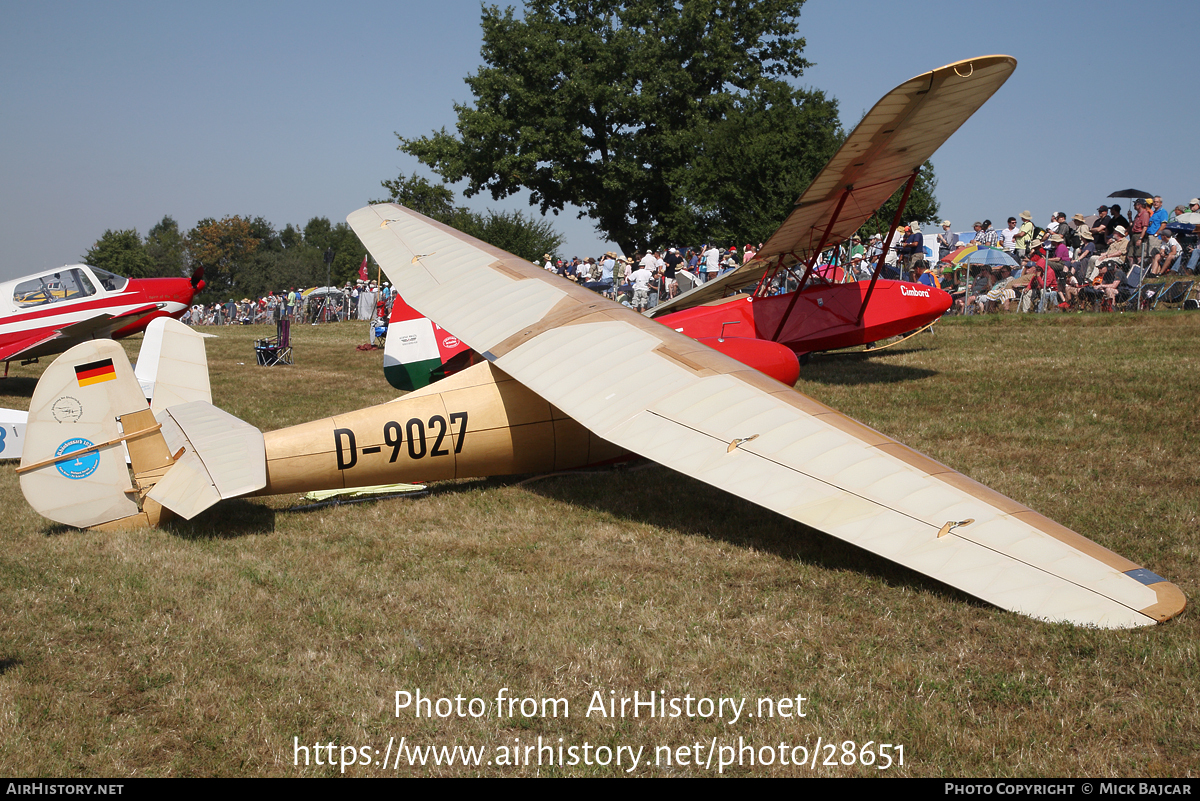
<point>115,114</point>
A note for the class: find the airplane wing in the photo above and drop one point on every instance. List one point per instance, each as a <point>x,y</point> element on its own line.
<point>656,392</point>
<point>896,137</point>
<point>98,327</point>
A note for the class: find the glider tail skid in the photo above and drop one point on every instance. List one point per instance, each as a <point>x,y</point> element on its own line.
<point>418,352</point>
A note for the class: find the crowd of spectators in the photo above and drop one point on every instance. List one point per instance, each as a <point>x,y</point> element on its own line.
<point>1057,266</point>
<point>362,300</point>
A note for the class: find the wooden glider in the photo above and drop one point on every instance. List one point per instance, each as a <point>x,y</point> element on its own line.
<point>572,379</point>
<point>883,152</point>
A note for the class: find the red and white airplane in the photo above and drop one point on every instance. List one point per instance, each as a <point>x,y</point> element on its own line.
<point>51,311</point>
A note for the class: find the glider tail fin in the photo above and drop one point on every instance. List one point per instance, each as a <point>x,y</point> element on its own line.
<point>73,471</point>
<point>182,460</point>
<point>418,352</point>
<point>172,365</point>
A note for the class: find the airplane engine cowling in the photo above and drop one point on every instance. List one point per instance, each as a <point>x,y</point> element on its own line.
<point>771,358</point>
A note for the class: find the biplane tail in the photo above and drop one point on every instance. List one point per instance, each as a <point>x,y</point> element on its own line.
<point>418,352</point>
<point>87,405</point>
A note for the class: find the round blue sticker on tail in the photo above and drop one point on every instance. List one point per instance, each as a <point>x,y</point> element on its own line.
<point>81,466</point>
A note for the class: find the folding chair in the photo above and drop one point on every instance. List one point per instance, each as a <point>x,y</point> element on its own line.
<point>272,352</point>
<point>1129,293</point>
<point>1174,293</point>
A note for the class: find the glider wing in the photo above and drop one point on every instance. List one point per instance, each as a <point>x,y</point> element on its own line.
<point>655,392</point>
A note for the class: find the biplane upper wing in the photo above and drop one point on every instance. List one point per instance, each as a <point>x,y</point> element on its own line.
<point>656,392</point>
<point>895,138</point>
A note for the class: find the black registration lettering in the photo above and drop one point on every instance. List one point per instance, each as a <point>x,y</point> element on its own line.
<point>350,449</point>
<point>414,433</point>
<point>391,436</point>
<point>415,430</point>
<point>461,419</point>
<point>438,422</point>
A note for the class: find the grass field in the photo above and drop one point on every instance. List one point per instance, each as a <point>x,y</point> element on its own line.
<point>214,647</point>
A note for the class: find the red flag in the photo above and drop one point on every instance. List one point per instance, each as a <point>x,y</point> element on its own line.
<point>362,271</point>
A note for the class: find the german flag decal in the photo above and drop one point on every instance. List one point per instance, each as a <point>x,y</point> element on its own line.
<point>95,372</point>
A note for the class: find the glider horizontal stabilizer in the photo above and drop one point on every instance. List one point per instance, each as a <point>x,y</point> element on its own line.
<point>88,404</point>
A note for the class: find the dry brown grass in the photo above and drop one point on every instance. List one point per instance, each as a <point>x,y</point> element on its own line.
<point>203,649</point>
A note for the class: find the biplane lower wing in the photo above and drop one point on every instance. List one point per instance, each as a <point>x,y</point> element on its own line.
<point>657,393</point>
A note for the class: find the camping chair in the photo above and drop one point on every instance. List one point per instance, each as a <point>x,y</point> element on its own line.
<point>270,352</point>
<point>1174,293</point>
<point>1192,301</point>
<point>1129,293</point>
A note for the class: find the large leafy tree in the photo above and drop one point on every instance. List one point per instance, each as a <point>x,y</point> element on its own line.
<point>610,104</point>
<point>120,252</point>
<point>223,247</point>
<point>348,250</point>
<point>167,249</point>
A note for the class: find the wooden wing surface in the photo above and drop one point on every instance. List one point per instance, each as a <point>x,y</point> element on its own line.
<point>664,396</point>
<point>896,137</point>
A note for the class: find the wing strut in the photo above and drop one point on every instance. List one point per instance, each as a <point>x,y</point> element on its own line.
<point>886,244</point>
<point>816,255</point>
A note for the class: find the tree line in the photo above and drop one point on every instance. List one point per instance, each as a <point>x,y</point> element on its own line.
<point>247,256</point>
<point>241,255</point>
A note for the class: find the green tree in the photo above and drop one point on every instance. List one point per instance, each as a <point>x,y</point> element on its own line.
<point>522,235</point>
<point>348,251</point>
<point>435,201</point>
<point>167,249</point>
<point>223,248</point>
<point>751,166</point>
<point>605,104</point>
<point>120,252</point>
<point>519,234</point>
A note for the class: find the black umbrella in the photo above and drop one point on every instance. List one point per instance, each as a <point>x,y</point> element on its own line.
<point>1131,193</point>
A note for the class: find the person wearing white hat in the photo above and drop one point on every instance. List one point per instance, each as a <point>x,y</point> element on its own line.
<point>1115,252</point>
<point>1024,235</point>
<point>947,241</point>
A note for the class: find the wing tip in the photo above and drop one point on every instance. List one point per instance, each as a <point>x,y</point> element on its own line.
<point>1171,601</point>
